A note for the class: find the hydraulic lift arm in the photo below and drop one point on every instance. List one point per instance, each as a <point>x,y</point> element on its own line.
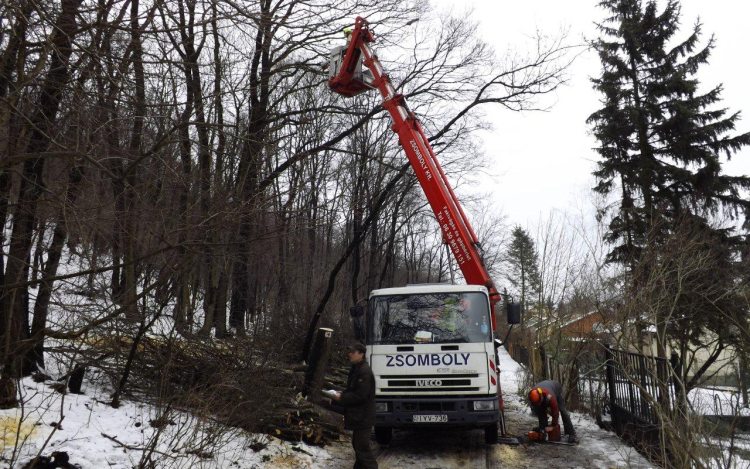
<point>347,79</point>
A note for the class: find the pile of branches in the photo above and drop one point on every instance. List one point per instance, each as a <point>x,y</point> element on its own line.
<point>300,420</point>
<point>314,420</point>
<point>231,383</point>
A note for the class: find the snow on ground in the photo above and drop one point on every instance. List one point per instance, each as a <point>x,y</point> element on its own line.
<point>717,402</point>
<point>95,435</point>
<point>601,448</point>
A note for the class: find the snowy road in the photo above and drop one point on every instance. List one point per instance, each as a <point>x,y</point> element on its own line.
<point>448,449</point>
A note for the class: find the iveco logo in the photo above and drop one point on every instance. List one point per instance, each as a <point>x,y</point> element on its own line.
<point>429,382</point>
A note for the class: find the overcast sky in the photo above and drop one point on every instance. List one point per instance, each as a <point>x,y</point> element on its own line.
<point>544,161</point>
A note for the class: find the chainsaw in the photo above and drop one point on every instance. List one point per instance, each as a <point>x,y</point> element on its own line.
<point>540,435</point>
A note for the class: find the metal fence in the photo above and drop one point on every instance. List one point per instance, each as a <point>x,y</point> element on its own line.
<point>637,389</point>
<point>639,386</point>
<point>519,353</point>
<point>591,372</point>
<point>642,395</point>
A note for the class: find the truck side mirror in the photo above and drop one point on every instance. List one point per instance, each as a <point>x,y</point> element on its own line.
<point>514,312</point>
<point>357,312</point>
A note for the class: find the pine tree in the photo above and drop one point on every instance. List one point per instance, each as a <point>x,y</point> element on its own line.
<point>661,143</point>
<point>523,263</point>
<point>660,138</point>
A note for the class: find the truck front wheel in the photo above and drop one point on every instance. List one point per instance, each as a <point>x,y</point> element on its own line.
<point>383,435</point>
<point>490,434</point>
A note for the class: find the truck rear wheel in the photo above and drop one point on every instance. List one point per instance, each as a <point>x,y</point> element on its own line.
<point>490,434</point>
<point>383,435</point>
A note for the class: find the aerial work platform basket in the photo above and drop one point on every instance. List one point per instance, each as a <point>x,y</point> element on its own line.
<point>360,81</point>
<point>347,76</point>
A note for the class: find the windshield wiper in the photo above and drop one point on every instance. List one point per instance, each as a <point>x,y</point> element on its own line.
<point>451,341</point>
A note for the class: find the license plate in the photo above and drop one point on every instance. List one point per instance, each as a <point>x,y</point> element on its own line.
<point>429,418</point>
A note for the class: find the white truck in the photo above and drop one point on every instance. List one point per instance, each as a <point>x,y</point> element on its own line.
<point>433,356</point>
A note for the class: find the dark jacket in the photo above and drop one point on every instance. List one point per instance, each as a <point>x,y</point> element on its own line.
<point>358,399</point>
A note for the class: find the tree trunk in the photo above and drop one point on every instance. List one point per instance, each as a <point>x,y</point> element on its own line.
<point>35,357</point>
<point>744,379</point>
<point>390,253</point>
<point>16,39</point>
<point>218,278</point>
<point>12,302</point>
<point>182,322</point>
<point>251,160</point>
<point>131,174</point>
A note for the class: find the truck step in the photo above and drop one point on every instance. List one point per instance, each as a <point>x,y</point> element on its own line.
<point>508,440</point>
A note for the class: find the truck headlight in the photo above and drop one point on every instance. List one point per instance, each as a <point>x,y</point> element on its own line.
<point>381,407</point>
<point>485,405</point>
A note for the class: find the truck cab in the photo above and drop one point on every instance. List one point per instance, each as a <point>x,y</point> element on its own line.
<point>432,351</point>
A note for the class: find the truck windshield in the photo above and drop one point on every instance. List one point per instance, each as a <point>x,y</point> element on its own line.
<point>429,318</point>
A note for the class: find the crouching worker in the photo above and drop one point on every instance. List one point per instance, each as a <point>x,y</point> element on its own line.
<point>358,401</point>
<point>546,399</point>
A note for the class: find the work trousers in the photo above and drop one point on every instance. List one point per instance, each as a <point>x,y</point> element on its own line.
<point>565,416</point>
<point>361,444</point>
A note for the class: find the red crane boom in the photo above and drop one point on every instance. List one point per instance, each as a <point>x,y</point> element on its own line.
<point>347,79</point>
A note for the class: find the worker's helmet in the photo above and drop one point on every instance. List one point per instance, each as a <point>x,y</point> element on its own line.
<point>536,396</point>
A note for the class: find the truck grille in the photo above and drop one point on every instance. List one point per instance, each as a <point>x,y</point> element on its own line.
<point>436,383</point>
<point>443,382</point>
<point>461,375</point>
<point>428,390</point>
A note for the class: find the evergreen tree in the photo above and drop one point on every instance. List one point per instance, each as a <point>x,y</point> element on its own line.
<point>523,261</point>
<point>660,138</point>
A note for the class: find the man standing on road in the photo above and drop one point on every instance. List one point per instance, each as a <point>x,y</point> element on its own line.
<point>358,401</point>
<point>546,399</point>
